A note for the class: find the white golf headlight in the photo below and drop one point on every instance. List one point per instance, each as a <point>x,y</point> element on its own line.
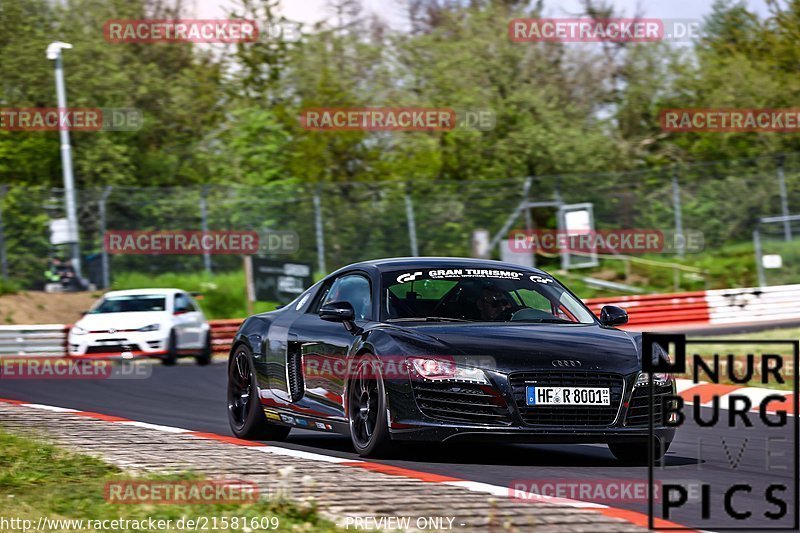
<point>151,327</point>
<point>77,330</point>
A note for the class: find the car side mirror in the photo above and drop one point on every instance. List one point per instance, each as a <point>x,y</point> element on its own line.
<point>611,315</point>
<point>339,312</point>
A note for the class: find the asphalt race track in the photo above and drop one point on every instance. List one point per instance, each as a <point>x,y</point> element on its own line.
<point>193,397</point>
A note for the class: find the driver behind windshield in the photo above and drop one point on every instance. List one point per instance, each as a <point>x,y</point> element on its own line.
<point>493,302</point>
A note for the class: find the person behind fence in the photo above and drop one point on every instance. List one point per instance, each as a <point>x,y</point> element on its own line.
<point>70,280</point>
<point>52,274</point>
<point>63,272</point>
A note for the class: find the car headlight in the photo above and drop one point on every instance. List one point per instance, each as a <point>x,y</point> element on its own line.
<point>659,379</point>
<point>77,330</point>
<point>444,369</point>
<point>151,327</point>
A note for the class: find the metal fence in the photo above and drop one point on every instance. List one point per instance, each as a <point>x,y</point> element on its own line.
<point>40,341</point>
<point>338,223</point>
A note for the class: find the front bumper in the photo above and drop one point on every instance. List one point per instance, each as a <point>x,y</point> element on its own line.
<point>438,432</point>
<point>462,411</point>
<point>121,344</point>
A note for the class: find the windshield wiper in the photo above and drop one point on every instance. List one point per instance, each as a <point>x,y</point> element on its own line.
<point>547,320</point>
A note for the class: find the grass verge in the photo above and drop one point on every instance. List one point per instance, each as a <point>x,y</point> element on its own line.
<point>38,480</point>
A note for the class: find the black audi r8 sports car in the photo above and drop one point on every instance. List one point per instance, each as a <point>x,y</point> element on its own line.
<point>445,349</point>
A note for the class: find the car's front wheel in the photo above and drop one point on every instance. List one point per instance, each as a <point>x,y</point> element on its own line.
<point>171,357</point>
<point>366,408</point>
<point>245,414</point>
<point>636,452</point>
<point>205,353</point>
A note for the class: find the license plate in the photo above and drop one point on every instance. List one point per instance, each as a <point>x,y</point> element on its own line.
<point>568,396</point>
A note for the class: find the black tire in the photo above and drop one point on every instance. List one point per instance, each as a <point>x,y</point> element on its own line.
<point>636,452</point>
<point>171,357</point>
<point>205,354</point>
<point>245,415</point>
<point>366,409</point>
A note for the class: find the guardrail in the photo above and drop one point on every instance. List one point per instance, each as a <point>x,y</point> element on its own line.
<point>780,303</point>
<point>48,340</point>
<point>684,308</point>
<point>712,307</point>
<point>773,304</point>
<point>222,332</point>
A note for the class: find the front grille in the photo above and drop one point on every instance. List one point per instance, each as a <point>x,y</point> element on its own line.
<point>108,348</point>
<point>461,402</point>
<point>638,410</point>
<point>564,416</point>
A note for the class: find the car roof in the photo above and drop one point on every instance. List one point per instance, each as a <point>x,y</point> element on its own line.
<point>399,263</point>
<point>140,292</point>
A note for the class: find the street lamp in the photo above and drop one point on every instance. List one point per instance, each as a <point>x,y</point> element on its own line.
<point>54,53</point>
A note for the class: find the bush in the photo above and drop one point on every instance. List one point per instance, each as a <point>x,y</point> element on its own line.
<point>8,287</point>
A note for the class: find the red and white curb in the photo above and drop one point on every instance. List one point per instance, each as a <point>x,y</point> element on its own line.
<point>705,392</point>
<point>499,491</point>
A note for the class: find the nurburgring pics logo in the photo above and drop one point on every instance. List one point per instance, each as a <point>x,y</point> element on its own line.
<point>736,430</point>
<point>225,31</point>
<point>741,120</point>
<point>70,118</point>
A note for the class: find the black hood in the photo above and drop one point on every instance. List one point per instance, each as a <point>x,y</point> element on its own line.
<point>520,347</point>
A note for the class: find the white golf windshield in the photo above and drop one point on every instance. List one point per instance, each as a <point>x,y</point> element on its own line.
<point>131,304</point>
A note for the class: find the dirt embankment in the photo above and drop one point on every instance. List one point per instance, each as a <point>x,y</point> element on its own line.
<point>34,307</point>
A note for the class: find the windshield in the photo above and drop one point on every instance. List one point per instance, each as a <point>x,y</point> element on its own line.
<point>131,304</point>
<point>480,295</point>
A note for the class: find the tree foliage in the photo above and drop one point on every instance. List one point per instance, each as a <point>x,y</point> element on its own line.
<point>229,114</point>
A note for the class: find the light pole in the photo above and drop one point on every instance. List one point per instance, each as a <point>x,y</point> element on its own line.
<point>54,53</point>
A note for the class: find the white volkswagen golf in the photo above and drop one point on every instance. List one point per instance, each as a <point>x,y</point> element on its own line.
<point>162,323</point>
